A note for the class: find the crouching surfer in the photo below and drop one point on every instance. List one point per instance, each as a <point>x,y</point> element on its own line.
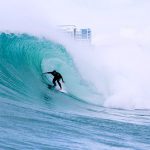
<point>57,77</point>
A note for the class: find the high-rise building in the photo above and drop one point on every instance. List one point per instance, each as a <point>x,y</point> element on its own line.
<point>77,34</point>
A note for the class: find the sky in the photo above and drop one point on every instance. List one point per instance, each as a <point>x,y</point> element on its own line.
<point>108,19</point>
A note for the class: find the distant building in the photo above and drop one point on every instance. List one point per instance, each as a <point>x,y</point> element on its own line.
<point>77,34</point>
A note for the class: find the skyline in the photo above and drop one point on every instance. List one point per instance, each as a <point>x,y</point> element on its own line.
<point>110,20</point>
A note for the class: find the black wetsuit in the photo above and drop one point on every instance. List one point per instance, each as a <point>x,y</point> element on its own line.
<point>57,77</point>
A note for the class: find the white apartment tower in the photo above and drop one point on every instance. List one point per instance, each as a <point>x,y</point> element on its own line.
<point>83,35</point>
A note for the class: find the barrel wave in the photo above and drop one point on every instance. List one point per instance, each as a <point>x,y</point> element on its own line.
<point>35,117</point>
<point>23,60</point>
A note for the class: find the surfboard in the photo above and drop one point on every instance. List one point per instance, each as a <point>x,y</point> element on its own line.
<point>51,87</point>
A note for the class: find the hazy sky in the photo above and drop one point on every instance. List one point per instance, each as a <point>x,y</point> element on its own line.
<point>108,19</point>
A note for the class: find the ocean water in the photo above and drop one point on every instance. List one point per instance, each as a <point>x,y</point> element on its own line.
<point>35,117</point>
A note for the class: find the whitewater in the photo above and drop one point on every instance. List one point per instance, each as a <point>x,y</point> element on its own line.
<point>35,117</point>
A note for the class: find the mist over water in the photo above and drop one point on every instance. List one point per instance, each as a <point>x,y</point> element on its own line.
<point>119,71</point>
<point>127,64</point>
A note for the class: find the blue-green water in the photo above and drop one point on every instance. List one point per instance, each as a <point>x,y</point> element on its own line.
<point>34,117</point>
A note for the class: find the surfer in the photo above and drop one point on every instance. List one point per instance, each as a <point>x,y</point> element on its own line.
<point>57,77</point>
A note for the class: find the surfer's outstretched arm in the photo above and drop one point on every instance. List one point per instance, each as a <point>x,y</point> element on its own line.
<point>46,72</point>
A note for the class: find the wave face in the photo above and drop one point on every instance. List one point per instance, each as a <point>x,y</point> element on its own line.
<point>25,57</point>
<point>34,117</point>
<point>20,62</point>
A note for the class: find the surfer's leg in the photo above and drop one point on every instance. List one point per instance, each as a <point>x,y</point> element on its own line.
<point>54,81</point>
<point>59,84</point>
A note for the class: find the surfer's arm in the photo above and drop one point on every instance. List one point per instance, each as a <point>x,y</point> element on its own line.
<point>62,79</point>
<point>47,72</point>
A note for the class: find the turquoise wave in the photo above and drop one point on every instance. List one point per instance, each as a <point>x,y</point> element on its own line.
<point>34,117</point>
<point>23,60</point>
